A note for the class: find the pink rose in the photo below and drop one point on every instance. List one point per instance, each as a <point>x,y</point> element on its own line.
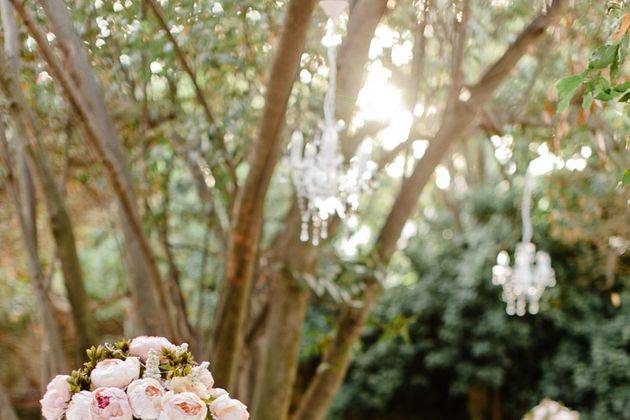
<point>226,408</point>
<point>115,372</point>
<point>55,400</point>
<point>110,404</point>
<point>145,398</point>
<point>79,407</point>
<point>140,346</point>
<point>183,406</point>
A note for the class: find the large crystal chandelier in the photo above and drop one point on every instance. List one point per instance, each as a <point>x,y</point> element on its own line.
<point>532,273</point>
<point>324,186</point>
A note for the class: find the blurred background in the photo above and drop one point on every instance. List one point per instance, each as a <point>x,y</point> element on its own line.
<point>438,343</point>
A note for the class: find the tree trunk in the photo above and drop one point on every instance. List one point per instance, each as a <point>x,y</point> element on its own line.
<point>477,404</point>
<point>495,410</point>
<point>364,17</point>
<point>6,408</point>
<point>60,223</point>
<point>295,256</point>
<point>332,369</point>
<point>459,116</point>
<point>278,367</point>
<point>147,290</point>
<point>248,212</point>
<point>23,194</point>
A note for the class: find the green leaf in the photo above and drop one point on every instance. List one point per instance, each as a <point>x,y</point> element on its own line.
<point>622,87</point>
<point>625,180</point>
<point>625,97</point>
<point>587,100</point>
<point>566,88</point>
<point>605,95</point>
<point>614,67</point>
<point>604,56</point>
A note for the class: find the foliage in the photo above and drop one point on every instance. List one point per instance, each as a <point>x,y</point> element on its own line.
<point>606,59</point>
<point>433,344</point>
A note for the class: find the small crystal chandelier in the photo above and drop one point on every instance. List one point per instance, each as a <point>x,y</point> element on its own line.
<point>323,187</point>
<point>532,272</point>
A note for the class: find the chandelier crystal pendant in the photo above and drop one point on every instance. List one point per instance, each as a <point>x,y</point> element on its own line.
<point>324,188</point>
<point>524,284</point>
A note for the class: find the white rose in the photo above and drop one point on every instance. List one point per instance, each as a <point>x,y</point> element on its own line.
<point>79,407</point>
<point>140,346</point>
<point>183,406</point>
<point>226,408</point>
<point>145,398</point>
<point>115,373</point>
<point>55,400</point>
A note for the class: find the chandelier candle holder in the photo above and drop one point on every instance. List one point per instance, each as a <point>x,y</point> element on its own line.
<point>324,187</point>
<point>524,284</point>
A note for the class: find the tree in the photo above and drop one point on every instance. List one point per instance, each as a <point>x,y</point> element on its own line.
<point>185,110</point>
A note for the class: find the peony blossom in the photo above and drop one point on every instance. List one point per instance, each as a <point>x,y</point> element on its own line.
<point>202,373</point>
<point>79,407</point>
<point>115,372</point>
<point>188,383</point>
<point>56,398</point>
<point>110,404</point>
<point>218,392</point>
<point>226,408</point>
<point>183,406</point>
<point>140,346</point>
<point>145,398</point>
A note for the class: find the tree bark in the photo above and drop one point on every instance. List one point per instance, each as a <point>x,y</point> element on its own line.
<point>83,92</point>
<point>248,211</point>
<point>278,367</point>
<point>60,222</point>
<point>458,118</point>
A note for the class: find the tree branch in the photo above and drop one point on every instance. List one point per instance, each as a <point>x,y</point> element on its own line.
<point>201,98</point>
<point>248,211</point>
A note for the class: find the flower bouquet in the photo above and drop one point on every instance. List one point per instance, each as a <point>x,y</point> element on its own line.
<point>551,410</point>
<point>143,378</point>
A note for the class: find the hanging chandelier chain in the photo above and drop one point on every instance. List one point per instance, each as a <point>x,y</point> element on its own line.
<point>329,99</point>
<point>526,207</point>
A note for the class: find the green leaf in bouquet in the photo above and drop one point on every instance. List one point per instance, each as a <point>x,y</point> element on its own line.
<point>123,346</point>
<point>604,56</point>
<point>622,87</point>
<point>79,381</point>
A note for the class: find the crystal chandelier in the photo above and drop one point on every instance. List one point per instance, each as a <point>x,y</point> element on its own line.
<point>324,187</point>
<point>532,273</point>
